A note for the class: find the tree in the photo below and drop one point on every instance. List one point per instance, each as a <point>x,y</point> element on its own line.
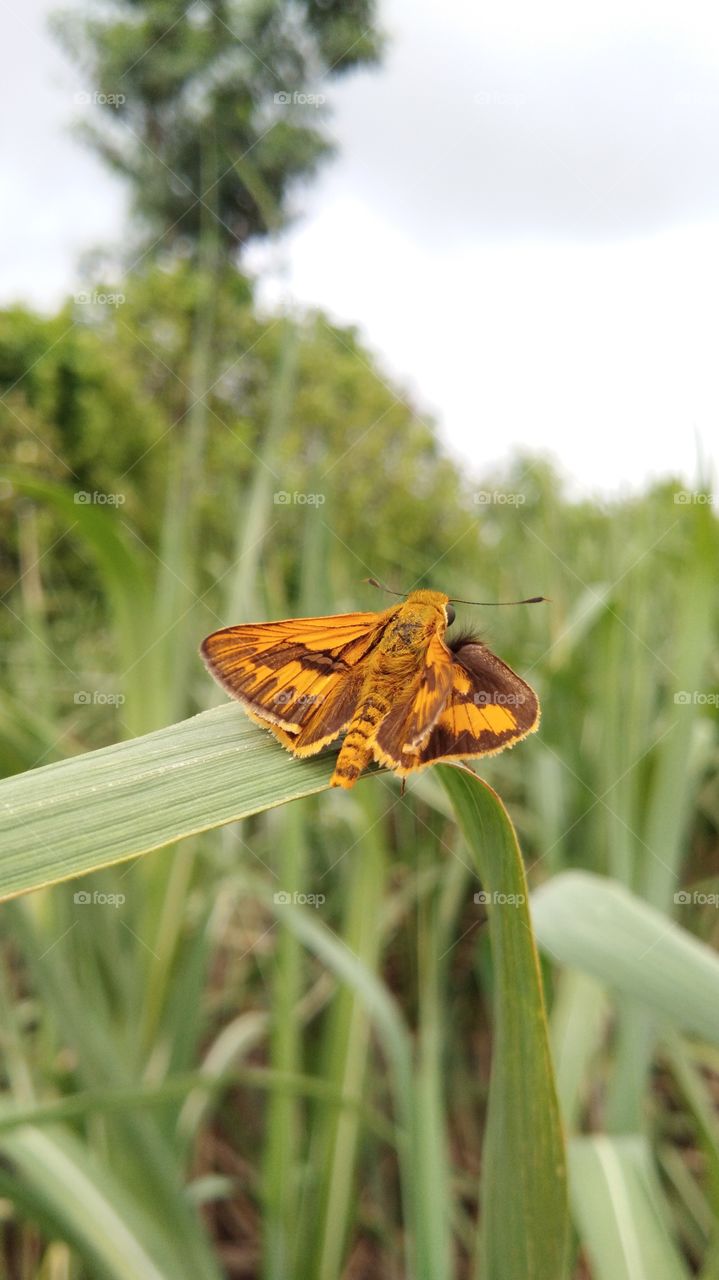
<point>211,109</point>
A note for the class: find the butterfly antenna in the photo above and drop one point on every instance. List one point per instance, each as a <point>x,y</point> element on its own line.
<point>373,582</point>
<point>497,603</point>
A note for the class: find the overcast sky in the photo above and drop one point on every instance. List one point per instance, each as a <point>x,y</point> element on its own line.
<point>523,220</point>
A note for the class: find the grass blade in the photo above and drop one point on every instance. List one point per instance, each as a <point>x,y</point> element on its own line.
<point>601,928</point>
<point>617,1205</point>
<point>109,805</point>
<point>524,1216</point>
<point>87,1206</point>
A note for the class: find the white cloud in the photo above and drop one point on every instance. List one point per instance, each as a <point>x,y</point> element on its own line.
<point>522,124</point>
<point>523,220</point>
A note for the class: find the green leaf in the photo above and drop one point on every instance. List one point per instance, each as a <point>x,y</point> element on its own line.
<point>346,1054</point>
<point>93,810</point>
<point>81,1200</point>
<point>124,568</point>
<point>580,1009</point>
<point>600,927</point>
<point>392,1032</point>
<point>619,1210</point>
<point>524,1216</point>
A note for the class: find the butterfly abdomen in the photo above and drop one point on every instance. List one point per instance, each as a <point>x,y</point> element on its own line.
<point>356,751</point>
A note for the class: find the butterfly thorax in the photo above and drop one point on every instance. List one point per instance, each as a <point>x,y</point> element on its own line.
<point>413,625</point>
<point>398,658</point>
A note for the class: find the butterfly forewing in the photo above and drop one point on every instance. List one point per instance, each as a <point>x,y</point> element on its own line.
<point>286,672</point>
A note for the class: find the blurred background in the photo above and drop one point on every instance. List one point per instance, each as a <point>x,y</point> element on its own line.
<point>294,293</point>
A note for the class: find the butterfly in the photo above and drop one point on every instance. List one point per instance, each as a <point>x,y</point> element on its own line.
<point>389,681</point>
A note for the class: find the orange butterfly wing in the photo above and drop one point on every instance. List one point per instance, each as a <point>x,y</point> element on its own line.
<point>298,677</point>
<point>489,708</point>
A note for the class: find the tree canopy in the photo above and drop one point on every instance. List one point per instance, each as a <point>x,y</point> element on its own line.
<point>214,110</point>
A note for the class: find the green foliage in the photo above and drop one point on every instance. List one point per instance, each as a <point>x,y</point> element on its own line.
<point>99,400</point>
<point>282,1045</point>
<point>208,775</point>
<point>524,1223</point>
<point>78,412</point>
<point>203,107</point>
<point>316,1077</point>
<point>277,1060</point>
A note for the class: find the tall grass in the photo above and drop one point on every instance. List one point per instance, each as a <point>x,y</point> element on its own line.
<point>266,1092</point>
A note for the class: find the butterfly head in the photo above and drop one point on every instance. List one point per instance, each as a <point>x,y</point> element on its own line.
<point>432,601</point>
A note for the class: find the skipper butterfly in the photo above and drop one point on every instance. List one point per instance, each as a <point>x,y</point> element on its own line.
<point>401,694</point>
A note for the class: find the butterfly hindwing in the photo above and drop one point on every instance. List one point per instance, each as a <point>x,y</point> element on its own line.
<point>417,706</point>
<point>489,708</point>
<point>323,722</point>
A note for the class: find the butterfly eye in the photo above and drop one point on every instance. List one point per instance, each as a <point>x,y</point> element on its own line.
<point>451,615</point>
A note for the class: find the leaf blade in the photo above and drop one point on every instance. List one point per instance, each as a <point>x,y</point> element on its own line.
<point>524,1217</point>
<point>598,926</point>
<point>104,807</point>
